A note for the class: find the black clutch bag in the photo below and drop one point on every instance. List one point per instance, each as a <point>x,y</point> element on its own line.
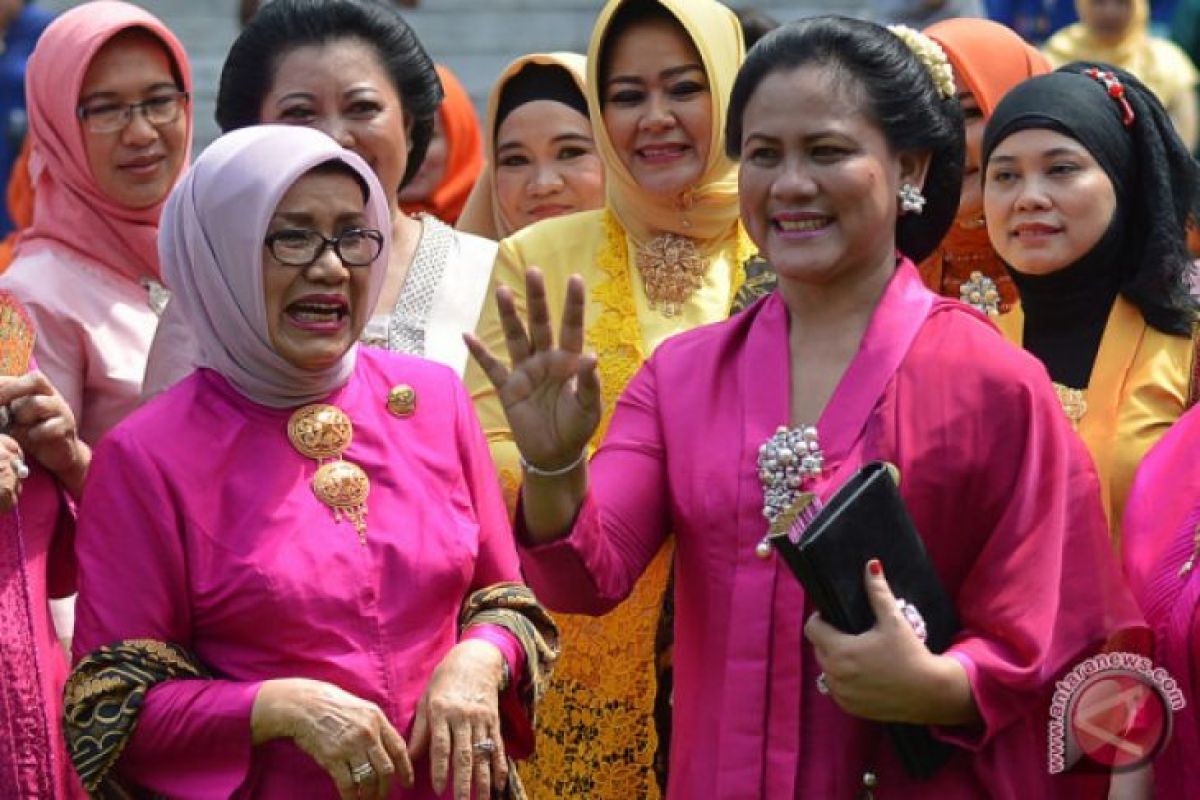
<point>867,519</point>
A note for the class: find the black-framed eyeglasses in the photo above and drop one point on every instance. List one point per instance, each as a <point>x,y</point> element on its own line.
<point>301,247</point>
<point>159,110</point>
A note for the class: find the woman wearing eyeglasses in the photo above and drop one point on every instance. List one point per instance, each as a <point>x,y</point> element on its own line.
<point>355,70</point>
<point>110,124</point>
<point>311,588</point>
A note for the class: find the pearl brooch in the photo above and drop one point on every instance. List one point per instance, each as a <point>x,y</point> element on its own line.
<point>786,461</point>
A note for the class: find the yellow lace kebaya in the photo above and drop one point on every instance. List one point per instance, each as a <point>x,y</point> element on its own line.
<point>596,731</point>
<point>596,736</point>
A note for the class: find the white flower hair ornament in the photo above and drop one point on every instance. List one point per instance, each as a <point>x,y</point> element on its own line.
<point>931,55</point>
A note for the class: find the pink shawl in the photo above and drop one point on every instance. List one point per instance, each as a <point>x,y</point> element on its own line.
<point>69,207</point>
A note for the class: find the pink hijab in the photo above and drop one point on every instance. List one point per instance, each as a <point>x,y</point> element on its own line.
<point>69,207</point>
<point>211,244</point>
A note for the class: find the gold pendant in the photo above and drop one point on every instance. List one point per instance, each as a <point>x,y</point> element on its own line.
<point>402,400</point>
<point>1074,403</point>
<point>672,269</point>
<point>320,431</point>
<point>343,486</point>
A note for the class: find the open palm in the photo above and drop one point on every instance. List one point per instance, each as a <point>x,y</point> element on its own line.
<point>551,394</point>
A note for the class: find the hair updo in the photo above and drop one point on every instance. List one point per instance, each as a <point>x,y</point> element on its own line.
<point>281,26</point>
<point>899,96</point>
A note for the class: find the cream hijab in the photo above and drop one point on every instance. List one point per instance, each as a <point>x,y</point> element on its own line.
<point>211,246</point>
<point>1158,63</point>
<point>483,215</point>
<point>709,210</point>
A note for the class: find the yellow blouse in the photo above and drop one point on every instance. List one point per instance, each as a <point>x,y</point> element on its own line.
<point>1139,387</point>
<point>596,736</point>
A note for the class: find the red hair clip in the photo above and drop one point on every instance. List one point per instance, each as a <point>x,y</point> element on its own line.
<point>1116,91</point>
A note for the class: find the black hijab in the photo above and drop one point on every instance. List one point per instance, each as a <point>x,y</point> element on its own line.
<point>1142,254</point>
<point>539,82</point>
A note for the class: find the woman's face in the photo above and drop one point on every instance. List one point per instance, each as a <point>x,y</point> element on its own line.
<point>818,189</point>
<point>433,168</point>
<point>658,107</point>
<point>341,89</point>
<point>546,164</point>
<point>137,165</point>
<point>314,313</point>
<point>1107,20</point>
<point>970,204</point>
<point>1046,200</point>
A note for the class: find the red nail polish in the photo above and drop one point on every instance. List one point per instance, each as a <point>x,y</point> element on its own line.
<point>875,567</point>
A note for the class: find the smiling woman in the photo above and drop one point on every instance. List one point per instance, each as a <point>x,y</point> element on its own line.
<point>1087,190</point>
<point>110,126</point>
<point>770,700</point>
<point>543,160</point>
<point>664,255</point>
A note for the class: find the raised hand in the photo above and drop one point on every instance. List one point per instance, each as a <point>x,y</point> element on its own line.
<point>551,394</point>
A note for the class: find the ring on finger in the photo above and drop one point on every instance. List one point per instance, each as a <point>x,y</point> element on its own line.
<point>21,468</point>
<point>484,747</point>
<point>361,773</point>
<point>822,684</point>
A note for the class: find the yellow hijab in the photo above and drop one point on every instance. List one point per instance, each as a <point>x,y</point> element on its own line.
<point>709,210</point>
<point>482,214</point>
<point>1160,64</point>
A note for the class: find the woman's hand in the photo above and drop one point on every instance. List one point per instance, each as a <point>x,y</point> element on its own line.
<point>43,423</point>
<point>12,462</point>
<point>887,674</point>
<point>551,395</point>
<point>460,710</point>
<point>341,732</point>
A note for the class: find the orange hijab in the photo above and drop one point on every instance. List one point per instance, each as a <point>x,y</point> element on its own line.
<point>990,60</point>
<point>464,153</point>
<point>20,204</point>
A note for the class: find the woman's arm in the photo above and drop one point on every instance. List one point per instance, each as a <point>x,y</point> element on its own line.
<point>551,399</point>
<point>192,736</point>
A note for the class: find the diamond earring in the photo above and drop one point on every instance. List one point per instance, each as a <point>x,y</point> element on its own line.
<point>911,199</point>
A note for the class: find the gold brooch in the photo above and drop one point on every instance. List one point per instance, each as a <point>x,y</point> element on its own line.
<point>323,432</point>
<point>672,269</point>
<point>402,400</point>
<point>1074,403</point>
<point>980,292</point>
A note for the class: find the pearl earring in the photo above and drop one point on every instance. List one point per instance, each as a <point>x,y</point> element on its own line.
<point>911,199</point>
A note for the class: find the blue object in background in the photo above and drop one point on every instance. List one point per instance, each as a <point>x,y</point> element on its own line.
<point>19,40</point>
<point>1035,20</point>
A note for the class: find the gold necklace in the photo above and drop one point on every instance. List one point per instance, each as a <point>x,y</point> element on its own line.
<point>323,432</point>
